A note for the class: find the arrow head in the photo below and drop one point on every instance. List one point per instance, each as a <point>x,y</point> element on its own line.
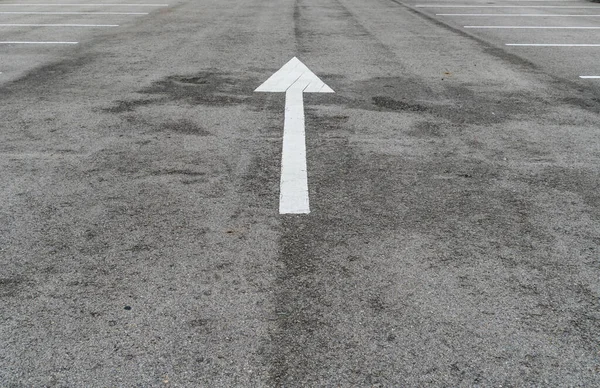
<point>294,75</point>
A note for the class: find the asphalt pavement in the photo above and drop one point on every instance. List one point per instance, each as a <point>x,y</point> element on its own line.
<point>453,235</point>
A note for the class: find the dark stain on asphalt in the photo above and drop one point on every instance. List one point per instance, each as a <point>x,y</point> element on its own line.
<point>209,88</point>
<point>389,103</point>
<point>194,181</point>
<point>197,80</point>
<point>9,287</point>
<point>129,106</point>
<point>201,325</point>
<point>299,34</point>
<point>182,172</point>
<point>45,78</point>
<point>300,303</point>
<point>325,123</point>
<point>186,127</point>
<point>591,104</point>
<point>377,304</point>
<point>205,88</point>
<point>461,105</point>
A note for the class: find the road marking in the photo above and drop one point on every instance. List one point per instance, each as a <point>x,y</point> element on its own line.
<point>38,42</point>
<point>590,76</point>
<point>535,27</point>
<point>74,13</point>
<point>508,6</point>
<point>511,14</point>
<point>59,25</point>
<point>295,79</point>
<point>85,5</point>
<point>533,1</point>
<point>553,44</point>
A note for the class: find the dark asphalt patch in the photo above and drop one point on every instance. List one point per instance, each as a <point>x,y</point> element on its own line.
<point>202,326</point>
<point>129,106</point>
<point>395,105</point>
<point>462,105</point>
<point>208,89</point>
<point>591,104</point>
<point>179,172</point>
<point>186,127</point>
<point>44,79</point>
<point>299,309</point>
<point>325,123</point>
<point>205,88</point>
<point>9,287</point>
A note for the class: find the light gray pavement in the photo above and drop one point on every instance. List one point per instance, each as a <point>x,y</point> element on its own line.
<point>454,235</point>
<point>25,22</point>
<point>574,17</point>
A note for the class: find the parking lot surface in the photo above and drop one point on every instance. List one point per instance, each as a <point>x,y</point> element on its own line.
<point>442,162</point>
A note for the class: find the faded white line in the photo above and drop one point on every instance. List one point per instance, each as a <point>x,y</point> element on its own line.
<point>73,13</point>
<point>512,15</point>
<point>590,76</point>
<point>59,25</point>
<point>534,27</point>
<point>507,6</point>
<point>554,44</point>
<point>15,42</point>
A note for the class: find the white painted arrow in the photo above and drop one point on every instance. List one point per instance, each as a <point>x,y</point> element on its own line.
<point>294,78</point>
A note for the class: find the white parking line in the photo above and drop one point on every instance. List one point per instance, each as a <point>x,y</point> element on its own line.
<point>74,13</point>
<point>512,15</point>
<point>507,6</point>
<point>590,76</point>
<point>39,42</point>
<point>554,44</point>
<point>535,27</point>
<point>85,5</point>
<point>59,25</point>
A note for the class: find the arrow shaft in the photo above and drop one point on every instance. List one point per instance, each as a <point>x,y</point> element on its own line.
<point>293,196</point>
